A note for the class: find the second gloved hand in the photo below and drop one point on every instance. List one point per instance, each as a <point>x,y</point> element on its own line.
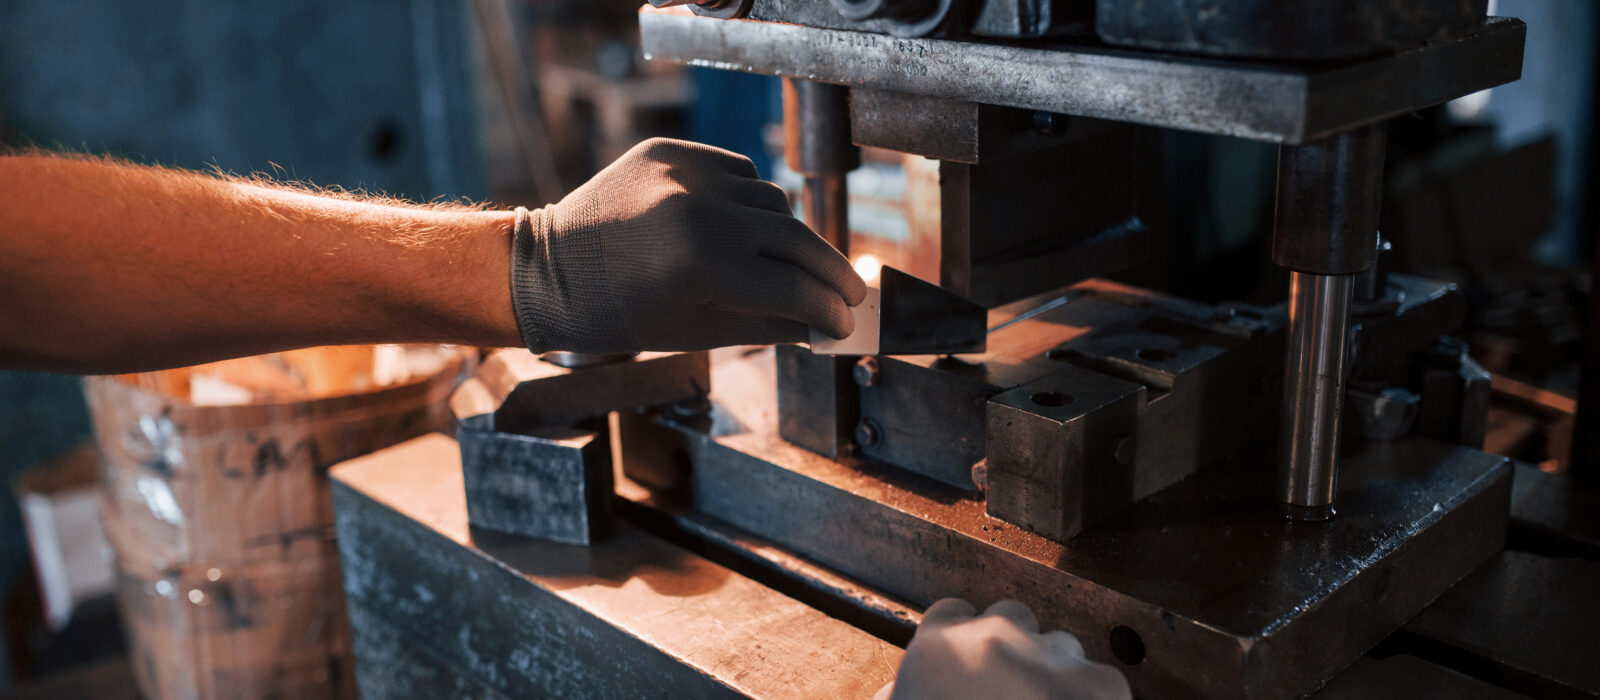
<point>957,653</point>
<point>675,246</point>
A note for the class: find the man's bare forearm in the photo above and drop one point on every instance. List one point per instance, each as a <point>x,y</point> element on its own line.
<point>107,267</point>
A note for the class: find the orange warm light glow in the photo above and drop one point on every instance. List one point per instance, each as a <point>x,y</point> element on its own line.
<point>868,266</point>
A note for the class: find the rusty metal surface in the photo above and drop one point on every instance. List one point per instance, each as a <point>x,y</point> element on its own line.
<point>1234,98</point>
<point>555,485</point>
<point>1524,620</point>
<point>1409,677</point>
<point>1227,597</point>
<point>526,393</point>
<point>632,616</point>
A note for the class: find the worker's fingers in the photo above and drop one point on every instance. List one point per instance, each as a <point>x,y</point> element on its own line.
<point>761,194</point>
<point>1017,613</point>
<point>1061,645</point>
<point>697,156</point>
<point>789,240</point>
<point>765,331</point>
<point>948,611</point>
<point>783,290</point>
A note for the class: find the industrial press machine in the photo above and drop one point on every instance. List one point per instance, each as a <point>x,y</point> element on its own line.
<point>1221,500</point>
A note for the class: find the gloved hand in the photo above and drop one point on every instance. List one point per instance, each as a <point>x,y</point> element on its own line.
<point>675,246</point>
<point>999,654</point>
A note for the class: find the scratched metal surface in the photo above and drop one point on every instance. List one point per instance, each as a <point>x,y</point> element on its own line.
<point>633,616</point>
<point>1229,598</point>
<point>1254,100</point>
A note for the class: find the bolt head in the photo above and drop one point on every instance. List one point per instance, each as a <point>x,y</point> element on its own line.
<point>1122,450</point>
<point>866,372</point>
<point>867,434</point>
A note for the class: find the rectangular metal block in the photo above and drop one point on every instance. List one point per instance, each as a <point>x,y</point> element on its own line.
<point>469,612</point>
<point>1026,225</point>
<point>950,130</point>
<point>1284,103</point>
<point>818,401</point>
<point>526,393</point>
<point>1061,451</point>
<point>1227,597</point>
<point>555,485</point>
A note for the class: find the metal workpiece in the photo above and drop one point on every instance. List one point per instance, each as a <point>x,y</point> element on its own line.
<point>1313,392</point>
<point>1061,451</point>
<point>441,609</point>
<point>1267,102</point>
<point>555,485</point>
<point>1329,192</point>
<point>818,401</point>
<point>1225,597</point>
<point>526,394</point>
<point>1523,619</point>
<point>905,315</point>
<point>816,129</point>
<point>1284,30</point>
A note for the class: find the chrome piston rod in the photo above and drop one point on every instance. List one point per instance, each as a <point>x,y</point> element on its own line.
<point>1314,378</point>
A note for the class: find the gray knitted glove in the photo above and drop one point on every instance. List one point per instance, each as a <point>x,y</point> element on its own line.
<point>675,246</point>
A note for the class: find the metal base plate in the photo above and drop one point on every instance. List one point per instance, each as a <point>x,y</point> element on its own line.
<point>1201,590</point>
<point>439,609</point>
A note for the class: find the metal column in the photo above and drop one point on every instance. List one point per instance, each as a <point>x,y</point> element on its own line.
<point>1325,233</point>
<point>816,125</point>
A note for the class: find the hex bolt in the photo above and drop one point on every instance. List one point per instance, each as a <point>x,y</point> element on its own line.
<point>866,372</point>
<point>1122,450</point>
<point>867,433</point>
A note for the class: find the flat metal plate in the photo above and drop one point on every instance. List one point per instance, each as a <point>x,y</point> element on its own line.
<point>633,616</point>
<point>1262,101</point>
<point>1525,620</point>
<point>1228,598</point>
<point>1408,677</point>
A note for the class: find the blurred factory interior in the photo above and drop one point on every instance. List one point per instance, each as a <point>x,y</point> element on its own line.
<point>516,102</point>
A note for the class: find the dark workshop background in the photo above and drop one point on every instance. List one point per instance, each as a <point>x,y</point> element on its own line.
<point>389,96</point>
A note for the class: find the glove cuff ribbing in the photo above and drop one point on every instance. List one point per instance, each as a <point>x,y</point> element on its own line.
<point>531,278</point>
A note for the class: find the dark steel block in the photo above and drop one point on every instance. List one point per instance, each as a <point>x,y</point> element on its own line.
<point>818,402</point>
<point>1523,618</point>
<point>526,394</point>
<point>953,130</point>
<point>555,485</point>
<point>460,611</point>
<point>1227,598</point>
<point>1289,30</point>
<point>1061,451</point>
<point>1025,225</point>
